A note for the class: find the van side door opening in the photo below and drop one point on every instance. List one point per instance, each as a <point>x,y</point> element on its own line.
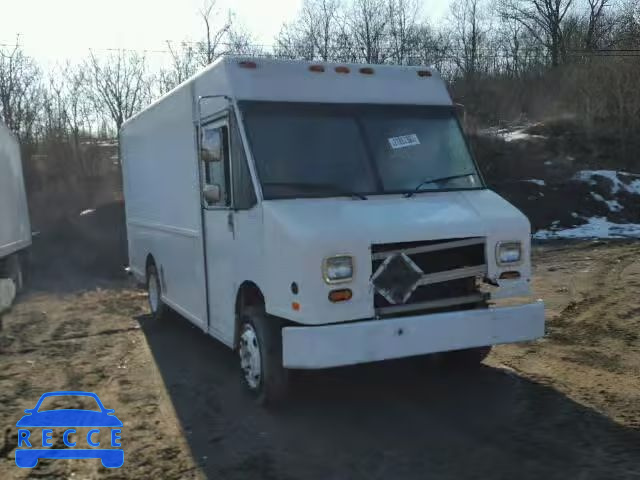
<point>218,224</point>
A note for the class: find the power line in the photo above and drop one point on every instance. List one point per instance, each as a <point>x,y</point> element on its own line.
<point>356,50</point>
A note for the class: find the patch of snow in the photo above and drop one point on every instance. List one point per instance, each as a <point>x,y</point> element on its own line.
<point>574,214</point>
<point>596,227</point>
<point>614,205</point>
<point>490,131</point>
<point>548,162</point>
<point>614,176</point>
<point>87,212</point>
<point>540,183</point>
<point>511,134</point>
<point>517,135</point>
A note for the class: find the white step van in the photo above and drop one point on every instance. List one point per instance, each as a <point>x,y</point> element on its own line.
<point>314,215</point>
<point>15,227</point>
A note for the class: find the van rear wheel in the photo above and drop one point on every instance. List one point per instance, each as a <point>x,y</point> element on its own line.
<point>154,290</point>
<point>260,351</point>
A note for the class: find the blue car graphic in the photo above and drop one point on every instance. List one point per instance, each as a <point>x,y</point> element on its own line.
<point>69,418</point>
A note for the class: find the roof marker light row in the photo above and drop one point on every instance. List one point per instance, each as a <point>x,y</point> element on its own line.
<point>339,69</point>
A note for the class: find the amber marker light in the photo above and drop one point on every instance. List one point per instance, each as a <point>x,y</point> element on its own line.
<point>248,64</point>
<point>341,295</point>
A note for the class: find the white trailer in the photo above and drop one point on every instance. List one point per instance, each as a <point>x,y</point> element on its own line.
<point>15,228</point>
<point>313,215</point>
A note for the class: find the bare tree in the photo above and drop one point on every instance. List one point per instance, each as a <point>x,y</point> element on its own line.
<point>119,86</point>
<point>325,13</point>
<point>210,48</point>
<point>293,43</point>
<point>242,42</point>
<point>469,33</point>
<point>544,19</point>
<point>597,27</point>
<point>626,32</point>
<point>368,23</point>
<point>54,110</point>
<point>313,33</point>
<point>432,47</point>
<point>184,63</point>
<point>20,91</point>
<point>403,29</point>
<point>79,114</point>
<point>520,52</point>
<point>79,110</point>
<point>217,39</point>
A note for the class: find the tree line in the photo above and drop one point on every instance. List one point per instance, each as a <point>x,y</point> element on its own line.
<point>503,59</point>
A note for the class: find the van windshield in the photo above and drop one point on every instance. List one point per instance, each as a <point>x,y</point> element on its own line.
<point>321,150</point>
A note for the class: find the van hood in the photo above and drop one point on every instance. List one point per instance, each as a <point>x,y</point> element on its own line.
<point>394,218</point>
<point>301,233</point>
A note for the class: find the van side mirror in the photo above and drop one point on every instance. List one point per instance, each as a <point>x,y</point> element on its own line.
<point>211,149</point>
<point>212,193</point>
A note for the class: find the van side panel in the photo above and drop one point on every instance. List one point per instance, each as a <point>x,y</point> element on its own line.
<point>15,228</point>
<point>162,201</point>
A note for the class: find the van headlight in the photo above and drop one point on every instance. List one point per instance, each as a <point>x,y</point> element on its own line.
<point>337,269</point>
<point>508,253</point>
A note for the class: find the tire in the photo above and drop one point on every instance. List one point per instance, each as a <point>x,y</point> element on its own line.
<point>15,271</point>
<point>469,358</point>
<point>158,308</point>
<point>260,352</point>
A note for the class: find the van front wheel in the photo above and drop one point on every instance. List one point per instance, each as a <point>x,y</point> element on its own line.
<point>471,357</point>
<point>154,289</point>
<point>260,350</point>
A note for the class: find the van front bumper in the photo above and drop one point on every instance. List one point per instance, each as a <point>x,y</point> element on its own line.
<point>373,340</point>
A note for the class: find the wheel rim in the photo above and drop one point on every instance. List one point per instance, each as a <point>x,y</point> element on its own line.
<point>250,360</point>
<point>154,299</point>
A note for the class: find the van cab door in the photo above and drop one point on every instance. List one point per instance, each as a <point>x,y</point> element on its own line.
<point>218,226</point>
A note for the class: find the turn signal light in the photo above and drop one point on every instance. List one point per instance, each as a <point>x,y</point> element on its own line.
<point>295,306</point>
<point>424,73</point>
<point>316,68</point>
<point>342,69</point>
<point>341,295</point>
<point>510,275</point>
<point>367,70</point>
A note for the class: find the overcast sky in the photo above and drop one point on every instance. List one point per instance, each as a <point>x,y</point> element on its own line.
<point>55,30</point>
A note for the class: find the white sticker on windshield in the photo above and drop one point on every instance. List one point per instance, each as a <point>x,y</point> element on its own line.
<point>404,141</point>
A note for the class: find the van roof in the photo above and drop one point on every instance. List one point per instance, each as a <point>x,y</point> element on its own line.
<point>269,79</point>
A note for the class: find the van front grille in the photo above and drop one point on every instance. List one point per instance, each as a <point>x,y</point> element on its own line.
<point>435,275</point>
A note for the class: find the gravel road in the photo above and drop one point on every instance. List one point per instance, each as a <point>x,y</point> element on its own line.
<point>566,406</point>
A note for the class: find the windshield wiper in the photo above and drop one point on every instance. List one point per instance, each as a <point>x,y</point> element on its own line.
<point>322,186</point>
<point>435,180</point>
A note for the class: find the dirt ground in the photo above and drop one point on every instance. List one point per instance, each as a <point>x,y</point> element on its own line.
<point>566,406</point>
